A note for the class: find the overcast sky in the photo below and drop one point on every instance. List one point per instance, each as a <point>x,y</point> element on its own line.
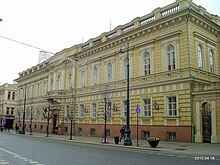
<point>53,25</point>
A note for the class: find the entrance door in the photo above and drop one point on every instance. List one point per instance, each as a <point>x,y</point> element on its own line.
<point>206,124</point>
<point>54,122</point>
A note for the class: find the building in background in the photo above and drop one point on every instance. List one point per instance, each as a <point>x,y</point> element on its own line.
<point>174,80</point>
<point>8,101</point>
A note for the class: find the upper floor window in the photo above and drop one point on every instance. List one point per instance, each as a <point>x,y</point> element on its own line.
<point>171,57</point>
<point>32,91</point>
<point>109,110</point>
<point>95,74</point>
<point>9,95</point>
<point>200,57</point>
<point>13,95</point>
<point>83,78</point>
<point>59,82</point>
<point>51,83</point>
<point>146,63</point>
<point>45,88</point>
<point>94,110</point>
<point>211,61</point>
<point>81,110</point>
<point>109,72</point>
<point>70,81</point>
<point>124,110</point>
<point>172,106</point>
<point>147,107</point>
<point>38,89</point>
<point>126,68</point>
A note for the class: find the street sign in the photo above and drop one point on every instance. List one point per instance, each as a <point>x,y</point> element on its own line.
<point>138,110</point>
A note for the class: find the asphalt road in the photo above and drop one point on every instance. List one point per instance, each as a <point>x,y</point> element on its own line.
<point>22,150</point>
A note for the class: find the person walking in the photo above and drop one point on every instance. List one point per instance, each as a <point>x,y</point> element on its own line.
<point>122,131</point>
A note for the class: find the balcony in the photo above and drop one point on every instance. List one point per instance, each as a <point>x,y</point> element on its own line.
<point>56,96</point>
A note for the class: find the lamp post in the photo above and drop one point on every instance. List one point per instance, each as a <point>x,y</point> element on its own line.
<point>1,20</point>
<point>127,140</point>
<point>23,125</point>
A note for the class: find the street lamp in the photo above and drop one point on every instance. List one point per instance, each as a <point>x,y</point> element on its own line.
<point>127,140</point>
<point>1,20</point>
<point>71,116</point>
<point>23,125</point>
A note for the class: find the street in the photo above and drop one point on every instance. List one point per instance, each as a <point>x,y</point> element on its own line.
<point>16,149</point>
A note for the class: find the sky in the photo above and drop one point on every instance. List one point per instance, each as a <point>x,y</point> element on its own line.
<point>53,25</point>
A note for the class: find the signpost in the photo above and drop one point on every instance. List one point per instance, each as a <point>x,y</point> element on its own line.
<point>138,110</point>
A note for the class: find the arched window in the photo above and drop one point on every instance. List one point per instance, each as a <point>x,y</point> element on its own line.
<point>109,72</point>
<point>200,57</point>
<point>95,74</point>
<point>146,63</point>
<point>211,61</point>
<point>171,57</point>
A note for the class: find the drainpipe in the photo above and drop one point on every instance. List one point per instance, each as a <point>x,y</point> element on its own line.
<point>191,83</point>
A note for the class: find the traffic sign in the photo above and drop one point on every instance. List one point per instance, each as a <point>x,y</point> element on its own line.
<point>138,110</point>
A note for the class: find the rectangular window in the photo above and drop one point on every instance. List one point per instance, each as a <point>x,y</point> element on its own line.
<point>94,110</point>
<point>147,107</point>
<point>12,111</point>
<point>81,110</point>
<point>45,88</point>
<point>172,106</point>
<point>13,96</point>
<point>9,95</point>
<point>172,136</point>
<point>38,89</point>
<point>8,110</point>
<point>109,109</point>
<point>125,108</point>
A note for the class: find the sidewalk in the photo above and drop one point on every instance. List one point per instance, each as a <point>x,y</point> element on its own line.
<point>194,149</point>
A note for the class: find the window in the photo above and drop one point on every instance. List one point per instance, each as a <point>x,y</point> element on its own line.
<point>70,81</point>
<point>32,91</point>
<point>9,95</point>
<point>45,88</point>
<point>83,79</point>
<point>126,68</point>
<point>67,111</point>
<point>8,110</point>
<point>172,106</point>
<point>59,82</point>
<point>13,95</point>
<point>172,136</point>
<point>109,110</point>
<point>146,63</point>
<point>147,107</point>
<point>124,110</point>
<point>171,57</point>
<point>51,84</point>
<point>95,74</point>
<point>12,111</point>
<point>81,110</point>
<point>38,89</point>
<point>94,110</point>
<point>109,72</point>
<point>211,61</point>
<point>200,57</point>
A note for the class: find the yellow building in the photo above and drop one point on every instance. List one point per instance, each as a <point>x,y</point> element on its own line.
<point>174,80</point>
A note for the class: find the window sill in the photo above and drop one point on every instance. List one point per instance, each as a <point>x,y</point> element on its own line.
<point>146,117</point>
<point>171,117</point>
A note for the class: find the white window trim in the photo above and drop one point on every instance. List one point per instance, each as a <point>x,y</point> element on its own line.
<point>210,47</point>
<point>202,43</point>
<point>148,49</point>
<point>166,108</point>
<point>91,112</point>
<point>173,41</point>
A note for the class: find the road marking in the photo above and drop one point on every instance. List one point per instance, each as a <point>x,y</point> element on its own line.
<point>18,156</point>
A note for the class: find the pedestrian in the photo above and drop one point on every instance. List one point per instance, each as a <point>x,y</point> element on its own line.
<point>56,129</point>
<point>16,128</point>
<point>122,131</point>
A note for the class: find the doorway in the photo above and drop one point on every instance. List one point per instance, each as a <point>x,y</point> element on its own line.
<point>54,122</point>
<point>206,123</point>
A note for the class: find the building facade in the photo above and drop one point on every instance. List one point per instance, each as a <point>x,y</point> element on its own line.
<point>174,80</point>
<point>8,97</point>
